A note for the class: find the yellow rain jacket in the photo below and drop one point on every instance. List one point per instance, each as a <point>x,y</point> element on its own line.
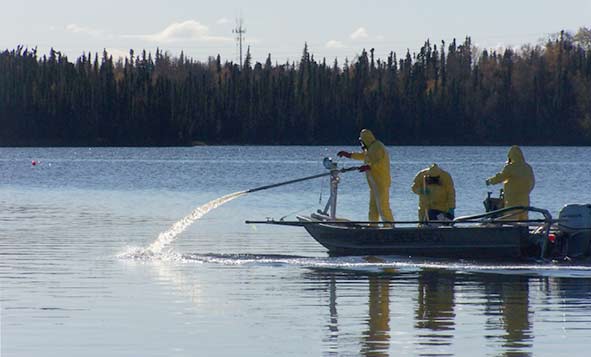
<point>378,177</point>
<point>441,196</point>
<point>518,181</point>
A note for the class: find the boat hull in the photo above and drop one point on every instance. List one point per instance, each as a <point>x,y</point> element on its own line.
<point>470,242</point>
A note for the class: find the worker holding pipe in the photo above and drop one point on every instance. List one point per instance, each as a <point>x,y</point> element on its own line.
<point>377,169</point>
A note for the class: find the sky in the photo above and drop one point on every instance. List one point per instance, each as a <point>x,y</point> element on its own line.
<point>332,29</point>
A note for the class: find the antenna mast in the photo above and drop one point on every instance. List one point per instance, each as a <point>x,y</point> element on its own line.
<point>239,31</point>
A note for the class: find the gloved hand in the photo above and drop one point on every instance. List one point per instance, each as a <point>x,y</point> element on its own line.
<point>345,154</point>
<point>364,168</point>
<point>452,212</point>
<point>487,182</point>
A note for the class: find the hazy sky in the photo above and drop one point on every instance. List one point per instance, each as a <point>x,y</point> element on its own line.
<point>331,28</point>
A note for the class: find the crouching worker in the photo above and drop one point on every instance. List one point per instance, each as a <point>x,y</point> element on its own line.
<point>377,169</point>
<point>437,195</point>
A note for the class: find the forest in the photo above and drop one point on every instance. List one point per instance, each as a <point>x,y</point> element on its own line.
<point>444,94</point>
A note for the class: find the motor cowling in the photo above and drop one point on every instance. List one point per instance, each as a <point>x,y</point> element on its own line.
<point>575,224</point>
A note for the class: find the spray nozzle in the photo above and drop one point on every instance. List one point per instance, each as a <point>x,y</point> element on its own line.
<point>329,164</point>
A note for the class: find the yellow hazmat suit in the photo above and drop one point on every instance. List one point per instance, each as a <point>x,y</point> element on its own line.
<point>518,181</point>
<point>439,195</point>
<point>378,177</point>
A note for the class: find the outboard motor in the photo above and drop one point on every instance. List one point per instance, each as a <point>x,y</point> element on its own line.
<point>575,228</point>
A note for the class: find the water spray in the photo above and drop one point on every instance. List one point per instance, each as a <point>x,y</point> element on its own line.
<point>167,237</point>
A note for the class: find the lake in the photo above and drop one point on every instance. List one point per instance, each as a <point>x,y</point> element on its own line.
<point>75,279</point>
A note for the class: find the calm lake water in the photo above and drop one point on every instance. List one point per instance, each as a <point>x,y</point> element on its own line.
<point>74,281</point>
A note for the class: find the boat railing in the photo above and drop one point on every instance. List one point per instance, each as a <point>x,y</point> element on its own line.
<point>485,218</point>
<point>509,211</point>
<point>493,217</point>
<point>386,223</point>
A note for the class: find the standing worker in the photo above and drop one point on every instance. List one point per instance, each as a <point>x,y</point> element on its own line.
<point>437,195</point>
<point>377,170</point>
<point>518,181</point>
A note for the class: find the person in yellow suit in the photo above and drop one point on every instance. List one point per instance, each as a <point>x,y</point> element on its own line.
<point>377,169</point>
<point>518,181</point>
<point>437,194</point>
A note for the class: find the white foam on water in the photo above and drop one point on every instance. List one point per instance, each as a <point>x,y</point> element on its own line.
<point>385,263</point>
<point>144,254</point>
<point>156,249</point>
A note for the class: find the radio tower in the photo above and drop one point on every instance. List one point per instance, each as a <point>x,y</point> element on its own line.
<point>239,31</point>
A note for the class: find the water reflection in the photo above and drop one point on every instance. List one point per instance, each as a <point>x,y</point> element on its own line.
<point>434,312</point>
<point>503,302</point>
<point>371,309</point>
<point>376,337</point>
<point>572,290</point>
<point>507,306</point>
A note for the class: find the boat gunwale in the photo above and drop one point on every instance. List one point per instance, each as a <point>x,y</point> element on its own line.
<point>343,225</point>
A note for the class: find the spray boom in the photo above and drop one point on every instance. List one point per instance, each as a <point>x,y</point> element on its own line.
<point>328,164</point>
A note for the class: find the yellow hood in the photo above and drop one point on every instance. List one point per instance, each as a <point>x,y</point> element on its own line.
<point>367,137</point>
<point>515,155</point>
<point>434,170</point>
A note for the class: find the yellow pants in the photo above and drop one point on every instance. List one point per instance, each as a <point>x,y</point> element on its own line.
<point>518,201</point>
<point>379,204</point>
<point>515,216</point>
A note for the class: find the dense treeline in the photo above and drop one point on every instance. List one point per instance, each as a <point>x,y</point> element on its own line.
<point>447,94</point>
